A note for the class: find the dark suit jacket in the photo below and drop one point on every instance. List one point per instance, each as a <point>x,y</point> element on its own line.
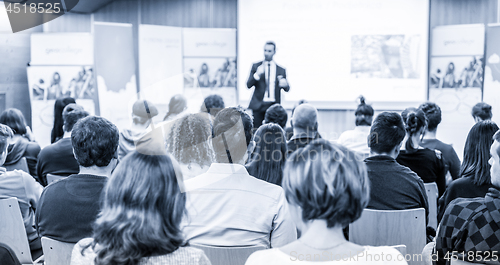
<point>260,86</point>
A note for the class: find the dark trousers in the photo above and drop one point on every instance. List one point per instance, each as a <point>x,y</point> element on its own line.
<point>258,115</point>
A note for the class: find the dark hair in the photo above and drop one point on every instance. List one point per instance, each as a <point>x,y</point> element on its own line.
<point>231,126</point>
<point>364,113</point>
<point>269,156</point>
<point>142,210</point>
<point>386,132</point>
<point>326,184</point>
<point>15,120</point>
<point>433,114</point>
<point>276,114</point>
<point>57,129</point>
<point>271,43</point>
<point>212,104</point>
<point>414,120</point>
<point>95,141</point>
<point>482,110</point>
<point>477,152</point>
<point>72,117</point>
<point>5,134</point>
<point>189,140</point>
<point>176,105</point>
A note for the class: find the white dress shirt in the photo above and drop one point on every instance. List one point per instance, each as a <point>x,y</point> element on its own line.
<point>227,207</point>
<point>271,79</point>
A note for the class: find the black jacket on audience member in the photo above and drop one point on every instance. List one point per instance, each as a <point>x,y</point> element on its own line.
<point>427,164</point>
<point>393,186</point>
<point>57,159</point>
<point>450,157</point>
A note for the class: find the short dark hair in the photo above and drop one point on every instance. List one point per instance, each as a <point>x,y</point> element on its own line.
<point>15,120</point>
<point>276,114</point>
<point>386,132</point>
<point>364,113</point>
<point>433,113</point>
<point>482,110</point>
<point>95,141</point>
<point>5,134</point>
<point>271,43</point>
<point>226,121</point>
<point>213,104</point>
<point>72,117</point>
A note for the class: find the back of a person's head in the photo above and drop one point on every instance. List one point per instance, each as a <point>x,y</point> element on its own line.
<point>189,140</point>
<point>326,184</point>
<point>15,120</point>
<point>232,129</point>
<point>177,104</point>
<point>482,111</point>
<point>363,113</point>
<point>305,117</point>
<point>212,104</point>
<point>386,133</point>
<point>415,121</point>
<point>72,117</point>
<point>300,102</point>
<point>477,152</point>
<point>276,114</point>
<point>5,135</point>
<point>95,141</point>
<point>142,210</point>
<point>143,111</point>
<point>59,105</point>
<point>269,155</point>
<point>433,113</point>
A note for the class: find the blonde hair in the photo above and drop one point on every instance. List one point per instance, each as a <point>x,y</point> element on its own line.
<point>327,183</point>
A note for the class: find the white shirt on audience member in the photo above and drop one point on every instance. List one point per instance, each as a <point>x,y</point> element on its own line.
<point>227,207</point>
<point>370,256</point>
<point>356,140</point>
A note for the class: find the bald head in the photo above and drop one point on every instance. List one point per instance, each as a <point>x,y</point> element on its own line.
<point>305,117</point>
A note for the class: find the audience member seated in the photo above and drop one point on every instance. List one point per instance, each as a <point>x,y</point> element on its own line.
<point>276,114</point>
<point>189,144</point>
<point>142,113</point>
<point>176,108</point>
<point>326,191</point>
<point>356,139</point>
<point>481,111</point>
<point>140,218</point>
<point>21,185</point>
<point>21,145</point>
<point>269,155</point>
<point>69,206</point>
<point>212,104</point>
<point>427,163</point>
<point>471,225</point>
<point>475,179</point>
<point>393,186</point>
<point>58,158</point>
<point>450,157</point>
<point>226,207</point>
<point>305,127</point>
<point>289,129</point>
<point>57,130</point>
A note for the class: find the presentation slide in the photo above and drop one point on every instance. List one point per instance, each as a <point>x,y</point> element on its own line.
<point>336,50</point>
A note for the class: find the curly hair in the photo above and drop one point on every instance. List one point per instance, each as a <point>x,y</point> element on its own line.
<point>189,141</point>
<point>276,114</point>
<point>212,104</point>
<point>433,113</point>
<point>142,210</point>
<point>95,141</point>
<point>326,184</point>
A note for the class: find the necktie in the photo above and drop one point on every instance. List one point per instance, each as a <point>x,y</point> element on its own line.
<point>268,78</point>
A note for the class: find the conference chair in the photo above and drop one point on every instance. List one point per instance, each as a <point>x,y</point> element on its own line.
<point>12,231</point>
<point>22,164</point>
<point>227,255</point>
<point>56,252</point>
<point>388,228</point>
<point>53,178</point>
<point>432,196</point>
